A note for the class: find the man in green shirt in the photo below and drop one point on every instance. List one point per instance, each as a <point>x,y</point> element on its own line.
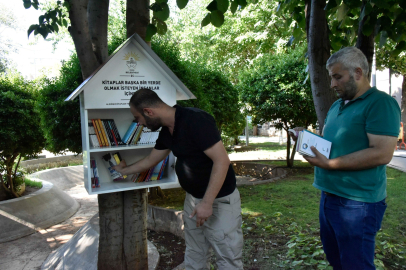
<point>363,126</point>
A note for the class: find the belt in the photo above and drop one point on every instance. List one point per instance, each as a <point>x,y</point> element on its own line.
<point>330,194</point>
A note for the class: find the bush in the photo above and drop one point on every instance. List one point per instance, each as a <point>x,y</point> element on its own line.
<point>60,120</point>
<point>20,131</point>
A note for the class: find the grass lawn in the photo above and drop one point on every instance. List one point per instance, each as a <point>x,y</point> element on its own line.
<point>280,222</point>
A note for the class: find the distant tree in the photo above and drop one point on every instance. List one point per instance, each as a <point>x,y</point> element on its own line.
<point>8,20</point>
<point>276,89</point>
<point>20,130</point>
<point>385,58</point>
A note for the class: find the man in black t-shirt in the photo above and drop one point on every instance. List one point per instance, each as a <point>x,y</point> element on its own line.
<point>212,209</point>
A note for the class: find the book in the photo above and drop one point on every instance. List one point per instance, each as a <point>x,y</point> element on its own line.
<point>306,139</point>
<point>161,172</point>
<point>110,162</point>
<point>104,132</point>
<point>129,131</point>
<point>115,132</point>
<point>137,134</point>
<point>98,133</point>
<point>157,170</point>
<point>92,135</point>
<point>108,132</point>
<point>94,173</point>
<point>101,132</point>
<point>118,159</point>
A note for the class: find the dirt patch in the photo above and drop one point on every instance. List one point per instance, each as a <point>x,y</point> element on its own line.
<point>171,248</point>
<point>28,190</point>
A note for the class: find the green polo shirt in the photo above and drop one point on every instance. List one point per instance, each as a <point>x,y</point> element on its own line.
<point>346,126</point>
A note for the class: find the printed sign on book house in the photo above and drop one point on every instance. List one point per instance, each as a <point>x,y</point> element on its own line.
<point>133,66</point>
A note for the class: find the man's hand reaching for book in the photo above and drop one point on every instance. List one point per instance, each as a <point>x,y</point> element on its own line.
<point>319,160</point>
<point>120,166</point>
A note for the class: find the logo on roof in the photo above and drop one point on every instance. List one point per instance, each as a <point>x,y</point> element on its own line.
<point>131,59</point>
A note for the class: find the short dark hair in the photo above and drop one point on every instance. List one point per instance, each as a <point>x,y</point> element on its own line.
<point>145,98</point>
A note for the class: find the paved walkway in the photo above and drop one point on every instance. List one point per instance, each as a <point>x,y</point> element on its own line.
<point>28,253</point>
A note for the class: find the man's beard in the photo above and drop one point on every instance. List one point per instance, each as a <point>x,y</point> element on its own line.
<point>153,124</point>
<point>350,90</point>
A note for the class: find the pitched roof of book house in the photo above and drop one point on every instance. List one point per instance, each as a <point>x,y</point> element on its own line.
<point>132,66</point>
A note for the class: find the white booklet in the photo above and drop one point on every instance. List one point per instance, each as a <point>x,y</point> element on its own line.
<point>305,139</point>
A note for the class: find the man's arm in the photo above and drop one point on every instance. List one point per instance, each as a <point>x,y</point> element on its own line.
<point>221,163</point>
<point>144,164</point>
<point>380,152</point>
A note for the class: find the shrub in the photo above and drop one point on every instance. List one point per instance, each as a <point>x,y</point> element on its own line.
<point>20,132</point>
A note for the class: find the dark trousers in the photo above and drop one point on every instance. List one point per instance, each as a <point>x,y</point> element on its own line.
<point>348,229</point>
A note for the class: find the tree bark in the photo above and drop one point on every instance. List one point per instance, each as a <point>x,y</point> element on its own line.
<point>137,17</point>
<point>319,52</point>
<point>98,14</point>
<point>80,33</point>
<point>135,229</point>
<point>111,221</point>
<point>366,43</point>
<point>403,102</point>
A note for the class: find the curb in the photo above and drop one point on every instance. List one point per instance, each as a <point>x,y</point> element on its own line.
<point>26,215</point>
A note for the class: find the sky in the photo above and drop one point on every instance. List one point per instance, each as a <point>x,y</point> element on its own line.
<point>34,54</point>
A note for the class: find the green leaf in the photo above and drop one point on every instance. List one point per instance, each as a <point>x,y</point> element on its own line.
<point>151,30</point>
<point>32,28</point>
<point>217,18</point>
<point>162,28</point>
<point>182,3</point>
<point>27,4</point>
<point>65,23</point>
<point>41,19</point>
<point>222,5</point>
<point>234,6</point>
<point>342,12</point>
<point>206,20</point>
<point>297,32</point>
<point>163,15</point>
<point>212,6</point>
<point>368,28</point>
<point>66,5</point>
<point>56,28</point>
<point>35,5</point>
<point>381,3</point>
<point>43,31</point>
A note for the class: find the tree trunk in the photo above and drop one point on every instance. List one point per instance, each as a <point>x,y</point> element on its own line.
<point>98,14</point>
<point>403,102</point>
<point>111,221</point>
<point>137,17</point>
<point>366,43</point>
<point>80,33</point>
<point>319,52</point>
<point>135,229</point>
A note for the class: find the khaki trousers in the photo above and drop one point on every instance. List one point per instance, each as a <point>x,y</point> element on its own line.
<point>222,231</point>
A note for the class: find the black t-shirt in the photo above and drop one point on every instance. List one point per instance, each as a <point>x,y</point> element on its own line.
<point>194,132</point>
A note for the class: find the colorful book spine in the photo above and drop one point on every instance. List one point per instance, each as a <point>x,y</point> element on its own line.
<point>98,132</point>
<point>95,174</point>
<point>129,131</point>
<point>115,131</point>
